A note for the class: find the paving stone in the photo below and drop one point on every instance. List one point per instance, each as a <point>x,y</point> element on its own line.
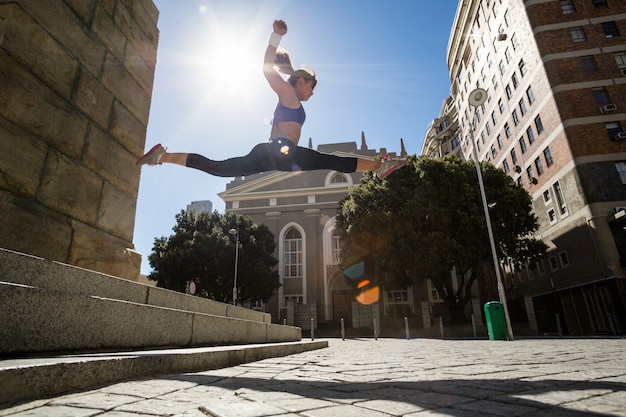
<point>58,411</point>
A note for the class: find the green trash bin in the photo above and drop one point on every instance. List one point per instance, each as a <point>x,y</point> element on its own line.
<point>496,324</point>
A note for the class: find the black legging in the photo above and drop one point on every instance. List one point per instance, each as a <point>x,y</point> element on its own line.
<point>278,154</point>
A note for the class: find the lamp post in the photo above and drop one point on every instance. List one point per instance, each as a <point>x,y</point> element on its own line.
<point>476,98</point>
<point>235,232</point>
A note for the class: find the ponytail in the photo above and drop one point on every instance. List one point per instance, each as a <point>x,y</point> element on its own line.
<point>282,63</point>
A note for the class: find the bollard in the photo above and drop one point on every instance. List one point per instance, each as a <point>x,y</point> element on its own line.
<point>406,327</point>
<point>441,326</point>
<point>474,326</point>
<point>375,331</point>
<point>284,322</point>
<point>343,330</point>
<point>558,325</point>
<point>312,330</point>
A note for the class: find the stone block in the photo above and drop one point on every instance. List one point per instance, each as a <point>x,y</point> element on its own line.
<point>29,227</point>
<point>19,268</point>
<point>66,322</point>
<point>108,32</point>
<point>116,213</point>
<point>27,42</point>
<point>27,102</point>
<point>208,329</point>
<point>21,161</point>
<point>280,333</point>
<point>171,299</point>
<point>140,70</point>
<point>70,188</point>
<point>93,99</point>
<point>83,8</point>
<point>126,89</point>
<point>94,249</point>
<point>128,130</point>
<point>146,15</point>
<point>58,19</point>
<point>105,156</point>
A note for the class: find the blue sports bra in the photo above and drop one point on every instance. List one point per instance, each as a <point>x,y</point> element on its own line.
<point>286,114</point>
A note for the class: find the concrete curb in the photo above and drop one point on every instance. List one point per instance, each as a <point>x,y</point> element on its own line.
<point>36,378</point>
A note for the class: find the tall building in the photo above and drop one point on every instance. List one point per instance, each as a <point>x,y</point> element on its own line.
<point>201,206</point>
<point>555,121</point>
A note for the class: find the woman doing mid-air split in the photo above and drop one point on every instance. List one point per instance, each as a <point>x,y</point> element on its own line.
<point>281,152</point>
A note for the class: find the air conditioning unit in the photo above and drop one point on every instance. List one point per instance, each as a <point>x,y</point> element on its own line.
<point>618,209</point>
<point>623,71</point>
<point>620,136</point>
<point>502,37</point>
<point>534,181</point>
<point>608,107</point>
<point>517,169</point>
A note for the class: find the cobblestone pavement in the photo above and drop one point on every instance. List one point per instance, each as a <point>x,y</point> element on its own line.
<point>384,377</point>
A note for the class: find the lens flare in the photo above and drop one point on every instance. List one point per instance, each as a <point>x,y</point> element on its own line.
<point>369,293</point>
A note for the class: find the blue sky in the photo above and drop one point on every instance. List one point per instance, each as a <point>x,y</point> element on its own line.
<point>381,67</point>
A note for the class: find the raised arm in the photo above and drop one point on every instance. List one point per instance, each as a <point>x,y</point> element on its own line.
<point>278,84</point>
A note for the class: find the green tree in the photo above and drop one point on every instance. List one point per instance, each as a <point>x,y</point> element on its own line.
<point>202,249</point>
<point>427,221</point>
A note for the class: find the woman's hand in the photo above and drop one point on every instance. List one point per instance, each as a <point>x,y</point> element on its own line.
<point>280,27</point>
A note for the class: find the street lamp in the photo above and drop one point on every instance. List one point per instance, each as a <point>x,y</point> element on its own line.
<point>476,98</point>
<point>235,232</point>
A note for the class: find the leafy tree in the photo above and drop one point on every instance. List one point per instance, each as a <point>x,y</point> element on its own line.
<point>427,221</point>
<point>202,249</point>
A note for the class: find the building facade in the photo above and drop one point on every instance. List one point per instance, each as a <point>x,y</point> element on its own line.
<point>205,206</point>
<point>300,209</point>
<point>555,121</point>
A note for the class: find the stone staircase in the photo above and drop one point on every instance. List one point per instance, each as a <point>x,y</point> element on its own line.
<point>57,319</point>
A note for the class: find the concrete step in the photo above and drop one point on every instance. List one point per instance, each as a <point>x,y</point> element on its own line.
<point>41,377</point>
<point>47,306</point>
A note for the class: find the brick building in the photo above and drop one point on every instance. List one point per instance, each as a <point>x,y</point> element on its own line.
<point>554,120</point>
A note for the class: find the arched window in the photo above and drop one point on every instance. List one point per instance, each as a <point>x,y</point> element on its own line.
<point>338,178</point>
<point>293,254</point>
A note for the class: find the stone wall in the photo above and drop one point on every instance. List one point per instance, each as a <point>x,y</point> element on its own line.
<point>75,89</point>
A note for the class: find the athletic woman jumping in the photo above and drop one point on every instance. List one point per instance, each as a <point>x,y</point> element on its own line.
<point>281,152</point>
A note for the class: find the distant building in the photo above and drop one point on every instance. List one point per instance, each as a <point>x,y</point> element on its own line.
<point>555,121</point>
<point>201,206</point>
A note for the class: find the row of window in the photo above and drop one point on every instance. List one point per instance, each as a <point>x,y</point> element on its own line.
<point>610,31</point>
<point>567,6</point>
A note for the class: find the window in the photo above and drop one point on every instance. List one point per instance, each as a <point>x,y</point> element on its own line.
<point>553,219</point>
<point>522,145</point>
<point>482,137</point>
<point>456,142</point>
<point>398,296</point>
<point>613,128</point>
<point>564,259</point>
<point>538,166</point>
<point>494,81</point>
<point>530,95</point>
<point>494,119</point>
<point>519,182</point>
<point>547,155</point>
<point>514,42</point>
<point>293,254</point>
<point>505,166</point>
<point>494,153</point>
<point>601,96</point>
<point>589,63</point>
<point>514,156</point>
<point>500,143</point>
<point>531,175</point>
<point>338,178</point>
<point>514,80</point>
<point>508,91</point>
<point>522,67</point>
<point>515,117</point>
<point>336,249</point>
<point>554,264</point>
<point>507,130</point>
<point>489,62</point>
<point>547,197</point>
<point>558,192</point>
<point>600,4</point>
<point>620,59</point>
<point>501,67</point>
<point>538,125</point>
<point>578,34</point>
<point>567,7</point>
<point>530,135</point>
<point>610,29</point>
<point>508,56</point>
<point>488,127</point>
<point>522,106</point>
<point>621,170</point>
<point>297,299</point>
<point>507,18</point>
<point>500,106</point>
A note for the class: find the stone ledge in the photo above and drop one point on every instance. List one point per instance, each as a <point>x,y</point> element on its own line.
<point>36,378</point>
